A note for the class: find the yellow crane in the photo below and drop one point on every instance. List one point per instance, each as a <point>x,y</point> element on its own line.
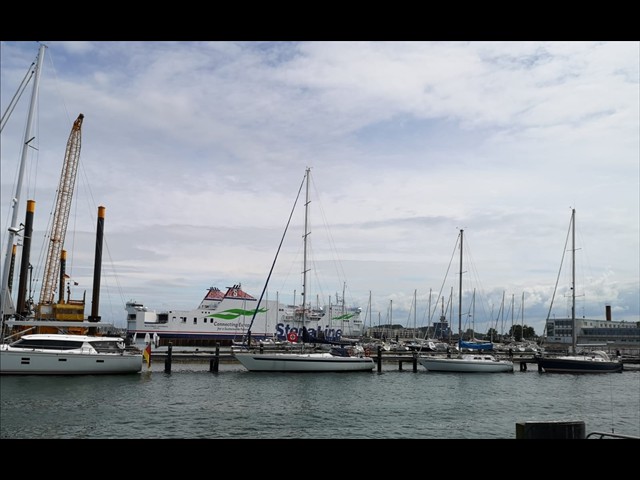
<point>47,306</point>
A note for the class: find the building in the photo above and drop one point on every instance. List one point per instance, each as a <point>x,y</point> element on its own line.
<point>615,335</point>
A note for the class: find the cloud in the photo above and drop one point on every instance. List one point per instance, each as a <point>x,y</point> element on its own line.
<point>198,149</point>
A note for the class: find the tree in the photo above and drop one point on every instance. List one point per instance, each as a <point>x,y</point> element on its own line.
<point>518,332</point>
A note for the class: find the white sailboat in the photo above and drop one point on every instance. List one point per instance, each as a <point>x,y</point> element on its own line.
<point>480,362</point>
<point>592,361</point>
<point>338,359</point>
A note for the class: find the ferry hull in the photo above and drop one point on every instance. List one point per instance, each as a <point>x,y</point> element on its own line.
<point>225,318</point>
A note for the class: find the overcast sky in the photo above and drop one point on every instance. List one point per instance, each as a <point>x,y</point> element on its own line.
<point>198,149</point>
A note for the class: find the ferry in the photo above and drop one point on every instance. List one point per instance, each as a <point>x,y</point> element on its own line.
<point>224,319</point>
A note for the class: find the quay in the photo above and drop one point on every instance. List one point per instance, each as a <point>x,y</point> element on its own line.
<point>225,355</point>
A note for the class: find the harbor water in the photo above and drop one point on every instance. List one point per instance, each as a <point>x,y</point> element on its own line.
<point>193,402</point>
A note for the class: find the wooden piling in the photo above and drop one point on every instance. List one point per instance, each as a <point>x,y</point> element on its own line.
<point>379,359</point>
<point>415,362</point>
<point>167,361</point>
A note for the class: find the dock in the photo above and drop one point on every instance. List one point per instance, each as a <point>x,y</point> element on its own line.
<point>523,361</point>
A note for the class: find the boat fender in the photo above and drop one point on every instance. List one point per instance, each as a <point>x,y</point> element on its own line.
<point>292,337</point>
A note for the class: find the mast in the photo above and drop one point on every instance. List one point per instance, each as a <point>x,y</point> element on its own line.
<point>415,309</point>
<point>304,261</point>
<point>5,299</point>
<point>364,327</point>
<point>460,294</point>
<point>573,280</point>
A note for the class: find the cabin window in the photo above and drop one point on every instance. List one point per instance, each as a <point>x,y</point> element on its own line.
<point>47,344</point>
<point>195,320</point>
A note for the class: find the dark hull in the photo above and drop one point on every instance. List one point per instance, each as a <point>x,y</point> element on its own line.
<point>570,365</point>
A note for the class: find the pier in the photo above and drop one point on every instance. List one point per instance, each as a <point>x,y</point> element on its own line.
<point>215,356</point>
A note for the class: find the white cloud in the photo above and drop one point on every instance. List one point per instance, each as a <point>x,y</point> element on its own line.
<point>197,150</point>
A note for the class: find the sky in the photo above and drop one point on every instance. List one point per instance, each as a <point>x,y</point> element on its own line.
<point>197,151</point>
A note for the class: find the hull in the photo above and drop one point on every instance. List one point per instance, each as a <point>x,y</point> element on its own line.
<point>224,318</point>
<point>45,363</point>
<point>579,365</point>
<point>469,363</point>
<point>68,354</point>
<point>304,362</point>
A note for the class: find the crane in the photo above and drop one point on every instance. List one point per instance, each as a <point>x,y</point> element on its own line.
<point>61,214</point>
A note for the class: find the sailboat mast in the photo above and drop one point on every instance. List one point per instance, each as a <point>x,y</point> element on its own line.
<point>15,203</point>
<point>415,309</point>
<point>573,280</point>
<point>304,261</point>
<point>460,294</point>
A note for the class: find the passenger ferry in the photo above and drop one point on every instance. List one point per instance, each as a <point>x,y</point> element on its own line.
<point>224,318</point>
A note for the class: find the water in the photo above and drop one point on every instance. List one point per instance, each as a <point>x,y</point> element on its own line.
<point>192,402</point>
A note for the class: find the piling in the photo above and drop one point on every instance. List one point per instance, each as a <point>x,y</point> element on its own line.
<point>415,362</point>
<point>215,361</point>
<point>379,359</point>
<point>550,430</point>
<point>167,361</point>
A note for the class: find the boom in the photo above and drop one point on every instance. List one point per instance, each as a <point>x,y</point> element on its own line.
<point>61,213</point>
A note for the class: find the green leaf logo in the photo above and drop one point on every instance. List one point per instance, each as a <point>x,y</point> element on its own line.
<point>346,316</point>
<point>234,313</point>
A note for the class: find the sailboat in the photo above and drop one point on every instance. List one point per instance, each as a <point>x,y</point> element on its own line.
<point>338,359</point>
<point>593,361</point>
<point>480,362</point>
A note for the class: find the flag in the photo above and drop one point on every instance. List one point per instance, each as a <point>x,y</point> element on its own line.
<point>146,355</point>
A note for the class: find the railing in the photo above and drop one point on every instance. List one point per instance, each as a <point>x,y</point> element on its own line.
<point>605,435</point>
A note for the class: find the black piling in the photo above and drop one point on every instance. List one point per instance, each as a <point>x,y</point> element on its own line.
<point>167,361</point>
<point>215,361</point>
<point>415,362</point>
<point>379,359</point>
<point>523,366</point>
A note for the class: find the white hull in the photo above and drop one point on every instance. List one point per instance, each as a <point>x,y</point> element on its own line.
<point>303,362</point>
<point>39,363</point>
<point>69,359</point>
<point>466,363</point>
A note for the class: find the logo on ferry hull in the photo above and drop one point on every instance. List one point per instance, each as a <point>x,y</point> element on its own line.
<point>346,316</point>
<point>234,313</point>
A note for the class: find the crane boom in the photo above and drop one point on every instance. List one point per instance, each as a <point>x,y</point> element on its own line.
<point>64,196</point>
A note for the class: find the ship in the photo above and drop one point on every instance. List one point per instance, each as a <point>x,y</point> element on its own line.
<point>224,319</point>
